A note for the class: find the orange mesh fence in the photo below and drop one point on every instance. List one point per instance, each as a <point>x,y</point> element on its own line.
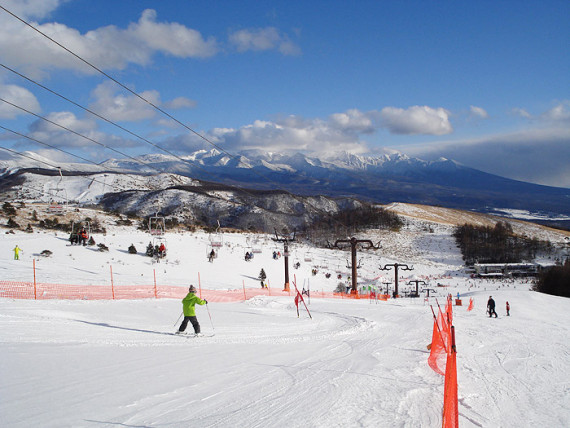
<point>442,360</point>
<point>450,399</point>
<point>42,291</point>
<point>436,359</point>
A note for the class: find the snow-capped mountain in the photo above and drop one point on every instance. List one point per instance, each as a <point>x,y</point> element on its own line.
<point>383,179</point>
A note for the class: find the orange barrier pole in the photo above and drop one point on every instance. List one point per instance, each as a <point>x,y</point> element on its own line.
<point>154,272</point>
<point>244,296</point>
<point>268,288</point>
<point>199,285</point>
<point>112,286</point>
<point>35,292</point>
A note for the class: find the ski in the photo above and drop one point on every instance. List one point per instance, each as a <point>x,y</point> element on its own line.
<point>189,335</point>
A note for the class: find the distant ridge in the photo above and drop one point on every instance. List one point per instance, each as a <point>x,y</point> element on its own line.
<point>382,179</point>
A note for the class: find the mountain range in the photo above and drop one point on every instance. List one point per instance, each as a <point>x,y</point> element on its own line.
<point>382,179</point>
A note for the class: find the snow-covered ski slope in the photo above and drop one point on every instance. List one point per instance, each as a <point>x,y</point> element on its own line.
<point>356,363</point>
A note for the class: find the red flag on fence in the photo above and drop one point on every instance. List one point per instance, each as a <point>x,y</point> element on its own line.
<point>299,297</point>
<point>297,302</point>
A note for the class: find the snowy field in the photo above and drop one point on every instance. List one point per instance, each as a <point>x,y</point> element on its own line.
<point>356,363</point>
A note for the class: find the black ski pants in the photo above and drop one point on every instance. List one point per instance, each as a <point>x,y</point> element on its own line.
<point>194,322</point>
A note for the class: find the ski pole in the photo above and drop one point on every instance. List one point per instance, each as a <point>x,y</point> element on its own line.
<point>178,319</point>
<point>210,316</point>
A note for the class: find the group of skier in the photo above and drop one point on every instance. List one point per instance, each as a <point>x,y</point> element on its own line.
<point>79,238</point>
<point>491,308</point>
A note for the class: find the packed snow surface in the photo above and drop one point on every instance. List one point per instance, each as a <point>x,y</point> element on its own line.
<point>361,363</point>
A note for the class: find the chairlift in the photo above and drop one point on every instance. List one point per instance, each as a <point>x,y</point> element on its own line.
<point>80,232</point>
<point>296,263</point>
<point>308,256</point>
<point>248,254</point>
<point>358,265</point>
<point>211,253</point>
<point>256,246</point>
<point>156,225</point>
<point>58,203</point>
<point>216,239</point>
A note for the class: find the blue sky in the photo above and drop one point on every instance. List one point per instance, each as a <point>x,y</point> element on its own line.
<point>485,83</point>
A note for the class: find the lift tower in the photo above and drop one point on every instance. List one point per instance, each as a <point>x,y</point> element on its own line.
<point>285,238</point>
<point>396,266</point>
<point>353,243</point>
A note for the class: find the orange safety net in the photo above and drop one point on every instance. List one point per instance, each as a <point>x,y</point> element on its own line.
<point>439,345</point>
<point>450,399</point>
<point>43,291</point>
<point>442,360</point>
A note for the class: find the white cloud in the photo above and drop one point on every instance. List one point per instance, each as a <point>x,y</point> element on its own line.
<point>558,113</point>
<point>478,112</point>
<point>263,39</point>
<point>416,120</point>
<point>180,103</point>
<point>36,9</point>
<point>19,96</point>
<point>115,104</point>
<point>171,38</point>
<point>521,112</point>
<point>287,134</point>
<point>90,147</point>
<point>108,48</point>
<point>123,107</point>
<point>65,119</point>
<point>355,120</point>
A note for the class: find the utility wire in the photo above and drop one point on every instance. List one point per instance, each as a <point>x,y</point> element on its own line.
<point>195,165</point>
<point>149,103</point>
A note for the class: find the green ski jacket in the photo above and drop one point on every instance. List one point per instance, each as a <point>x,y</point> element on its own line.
<point>188,304</point>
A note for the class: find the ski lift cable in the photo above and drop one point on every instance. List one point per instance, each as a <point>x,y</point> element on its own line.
<point>112,123</point>
<point>56,148</point>
<point>75,133</point>
<point>158,109</point>
<point>52,166</point>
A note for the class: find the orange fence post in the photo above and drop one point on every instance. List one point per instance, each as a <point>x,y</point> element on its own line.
<point>155,294</point>
<point>268,288</point>
<point>244,296</point>
<point>112,286</point>
<point>35,293</point>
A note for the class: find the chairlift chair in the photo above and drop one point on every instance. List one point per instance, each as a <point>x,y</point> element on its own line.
<point>58,203</point>
<point>308,256</point>
<point>256,246</point>
<point>156,225</point>
<point>209,251</point>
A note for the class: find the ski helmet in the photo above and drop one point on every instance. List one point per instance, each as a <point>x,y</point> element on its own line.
<point>192,289</point>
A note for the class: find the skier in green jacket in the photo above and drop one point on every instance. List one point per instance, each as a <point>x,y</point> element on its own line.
<point>189,311</point>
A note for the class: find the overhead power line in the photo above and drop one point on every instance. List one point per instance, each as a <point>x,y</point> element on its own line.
<point>165,113</point>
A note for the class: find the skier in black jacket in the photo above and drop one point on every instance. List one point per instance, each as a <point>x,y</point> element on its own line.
<point>491,307</point>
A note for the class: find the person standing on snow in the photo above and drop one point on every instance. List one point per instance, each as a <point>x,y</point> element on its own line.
<point>189,311</point>
<point>17,250</point>
<point>491,307</point>
<point>508,309</point>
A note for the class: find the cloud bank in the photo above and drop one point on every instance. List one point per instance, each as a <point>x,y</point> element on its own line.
<point>540,153</point>
<point>113,48</point>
